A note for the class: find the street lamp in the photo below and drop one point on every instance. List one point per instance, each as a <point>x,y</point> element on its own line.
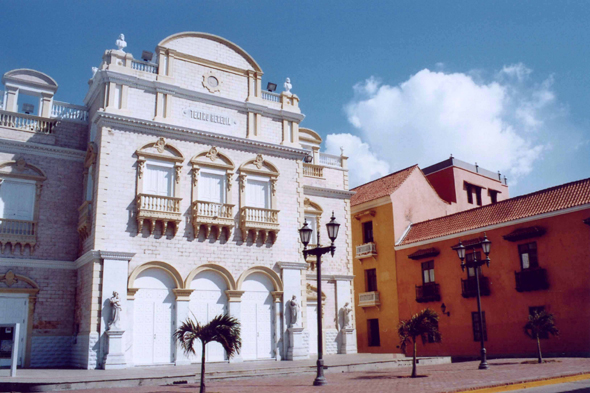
<point>476,265</point>
<point>305,235</point>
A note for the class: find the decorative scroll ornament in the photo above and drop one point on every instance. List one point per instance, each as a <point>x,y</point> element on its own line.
<point>178,170</point>
<point>160,145</point>
<point>230,178</point>
<point>21,164</point>
<point>212,154</point>
<point>9,278</point>
<point>242,178</point>
<point>259,161</point>
<point>140,168</point>
<point>195,174</point>
<point>273,186</point>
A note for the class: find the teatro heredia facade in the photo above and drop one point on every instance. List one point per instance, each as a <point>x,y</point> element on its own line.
<point>194,188</point>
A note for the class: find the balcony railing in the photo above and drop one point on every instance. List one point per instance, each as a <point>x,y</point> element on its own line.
<point>15,232</point>
<point>330,160</point>
<point>369,299</point>
<point>213,210</point>
<point>531,280</point>
<point>155,208</point>
<point>366,250</point>
<point>84,219</point>
<point>63,110</point>
<point>428,293</point>
<point>211,214</point>
<point>261,221</point>
<point>469,287</point>
<point>26,122</point>
<point>311,170</point>
<point>270,96</point>
<point>144,66</point>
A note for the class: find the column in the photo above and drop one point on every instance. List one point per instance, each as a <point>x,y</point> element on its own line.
<point>234,299</point>
<point>278,305</point>
<point>46,104</point>
<point>115,271</point>
<point>183,297</point>
<point>11,99</point>
<point>292,286</point>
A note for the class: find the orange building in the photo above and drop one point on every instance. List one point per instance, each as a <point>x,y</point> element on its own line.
<point>403,231</point>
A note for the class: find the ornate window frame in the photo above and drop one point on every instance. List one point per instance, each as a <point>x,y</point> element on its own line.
<point>263,221</point>
<point>26,234</point>
<point>167,209</point>
<point>85,211</point>
<point>206,214</point>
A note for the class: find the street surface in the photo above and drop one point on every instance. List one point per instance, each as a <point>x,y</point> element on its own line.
<point>575,387</point>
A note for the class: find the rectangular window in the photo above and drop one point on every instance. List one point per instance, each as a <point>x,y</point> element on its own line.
<point>371,280</point>
<point>17,199</point>
<point>538,309</point>
<point>159,179</point>
<point>312,223</point>
<point>494,196</point>
<point>470,188</point>
<point>478,195</point>
<point>368,232</point>
<point>258,193</point>
<point>212,186</point>
<point>476,331</point>
<point>428,272</point>
<point>373,332</point>
<point>528,255</point>
<point>469,194</point>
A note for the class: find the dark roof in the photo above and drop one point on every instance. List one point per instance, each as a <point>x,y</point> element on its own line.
<point>424,253</point>
<point>545,201</point>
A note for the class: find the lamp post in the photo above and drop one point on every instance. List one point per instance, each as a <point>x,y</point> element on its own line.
<point>305,234</point>
<point>476,265</point>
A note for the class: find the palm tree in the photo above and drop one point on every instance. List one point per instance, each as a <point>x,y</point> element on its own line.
<point>539,324</point>
<point>424,325</point>
<point>223,329</point>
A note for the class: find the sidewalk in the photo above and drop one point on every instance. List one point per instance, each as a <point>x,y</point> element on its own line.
<point>439,378</point>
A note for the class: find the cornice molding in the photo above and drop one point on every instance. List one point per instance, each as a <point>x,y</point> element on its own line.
<point>293,265</point>
<point>89,256</point>
<point>42,150</point>
<point>153,86</point>
<point>330,277</point>
<point>371,204</point>
<point>116,255</point>
<point>327,192</point>
<point>192,135</point>
<point>38,263</point>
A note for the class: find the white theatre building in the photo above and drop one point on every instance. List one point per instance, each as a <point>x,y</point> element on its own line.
<point>180,184</point>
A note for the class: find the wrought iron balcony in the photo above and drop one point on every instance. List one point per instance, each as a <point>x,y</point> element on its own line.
<point>531,280</point>
<point>369,299</point>
<point>469,287</point>
<point>366,250</point>
<point>259,220</point>
<point>428,293</point>
<point>211,214</point>
<point>158,208</point>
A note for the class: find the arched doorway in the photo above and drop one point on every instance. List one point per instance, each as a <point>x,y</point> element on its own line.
<point>207,301</point>
<point>257,317</point>
<point>153,317</point>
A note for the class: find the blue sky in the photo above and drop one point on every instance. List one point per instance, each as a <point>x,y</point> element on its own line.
<point>502,83</point>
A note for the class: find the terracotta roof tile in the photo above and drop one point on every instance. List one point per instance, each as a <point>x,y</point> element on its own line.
<point>381,187</point>
<point>545,201</point>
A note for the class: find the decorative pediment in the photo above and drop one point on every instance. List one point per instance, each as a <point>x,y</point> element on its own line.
<point>312,207</point>
<point>160,150</point>
<point>21,169</point>
<point>213,157</point>
<point>311,293</point>
<point>11,279</point>
<point>261,166</point>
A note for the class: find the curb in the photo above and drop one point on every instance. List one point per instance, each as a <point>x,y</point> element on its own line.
<point>527,384</point>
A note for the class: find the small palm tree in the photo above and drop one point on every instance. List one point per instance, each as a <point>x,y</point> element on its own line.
<point>222,329</point>
<point>424,325</point>
<point>540,323</point>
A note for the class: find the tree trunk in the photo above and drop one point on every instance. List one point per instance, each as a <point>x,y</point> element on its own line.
<point>414,362</point>
<point>202,389</point>
<point>539,349</point>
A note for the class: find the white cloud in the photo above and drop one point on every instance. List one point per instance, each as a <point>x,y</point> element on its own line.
<point>366,165</point>
<point>434,114</point>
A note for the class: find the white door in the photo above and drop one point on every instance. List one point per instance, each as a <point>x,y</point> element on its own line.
<point>206,302</point>
<point>13,309</point>
<point>257,318</point>
<point>153,318</point>
<point>312,327</point>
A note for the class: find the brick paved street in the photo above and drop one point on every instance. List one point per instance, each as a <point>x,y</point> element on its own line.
<point>440,378</point>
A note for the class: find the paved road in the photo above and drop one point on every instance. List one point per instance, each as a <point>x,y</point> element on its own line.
<point>574,387</point>
<point>440,378</point>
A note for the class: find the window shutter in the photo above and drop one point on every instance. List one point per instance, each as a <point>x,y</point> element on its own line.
<point>158,180</point>
<point>17,200</point>
<point>257,194</point>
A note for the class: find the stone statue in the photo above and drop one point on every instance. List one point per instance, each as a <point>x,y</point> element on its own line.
<point>293,311</point>
<point>121,44</point>
<point>116,308</point>
<point>346,312</point>
<point>288,86</point>
<point>94,71</point>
